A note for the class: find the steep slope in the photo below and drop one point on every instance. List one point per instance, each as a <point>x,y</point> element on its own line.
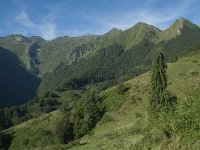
<point>133,36</point>
<point>59,51</point>
<point>178,44</point>
<point>179,27</point>
<point>34,56</point>
<point>76,62</point>
<point>140,32</point>
<point>36,53</point>
<point>17,85</point>
<point>18,45</point>
<point>108,61</point>
<point>127,54</point>
<point>123,124</point>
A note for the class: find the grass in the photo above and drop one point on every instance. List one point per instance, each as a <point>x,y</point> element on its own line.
<point>123,124</point>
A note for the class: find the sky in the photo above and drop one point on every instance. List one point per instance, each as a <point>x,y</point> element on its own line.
<point>53,18</point>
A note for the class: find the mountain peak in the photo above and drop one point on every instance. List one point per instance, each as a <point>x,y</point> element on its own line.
<point>139,32</point>
<point>16,37</point>
<point>181,22</point>
<point>182,19</point>
<point>177,29</point>
<point>113,31</point>
<point>143,26</point>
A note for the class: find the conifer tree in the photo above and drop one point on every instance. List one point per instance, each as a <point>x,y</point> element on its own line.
<point>160,98</point>
<point>158,81</point>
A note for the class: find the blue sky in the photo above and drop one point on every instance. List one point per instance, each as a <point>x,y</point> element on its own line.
<point>53,18</point>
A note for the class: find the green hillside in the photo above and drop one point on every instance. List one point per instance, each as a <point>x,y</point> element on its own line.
<point>130,52</point>
<point>35,56</point>
<point>126,55</point>
<point>124,124</point>
<point>62,89</point>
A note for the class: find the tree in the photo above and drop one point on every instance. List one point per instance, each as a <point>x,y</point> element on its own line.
<point>64,127</point>
<point>121,89</point>
<point>64,130</point>
<point>79,116</point>
<point>160,98</point>
<point>87,114</point>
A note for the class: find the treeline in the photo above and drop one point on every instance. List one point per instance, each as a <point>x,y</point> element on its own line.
<point>112,64</point>
<point>13,115</point>
<point>108,66</point>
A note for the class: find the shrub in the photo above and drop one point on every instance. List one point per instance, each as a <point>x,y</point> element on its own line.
<point>64,131</point>
<point>80,117</point>
<point>194,73</point>
<point>121,89</point>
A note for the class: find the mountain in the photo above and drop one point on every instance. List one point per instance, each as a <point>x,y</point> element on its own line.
<point>125,55</point>
<point>49,76</point>
<point>48,53</point>
<point>101,60</point>
<point>35,56</point>
<point>177,29</point>
<point>113,32</point>
<point>124,125</point>
<point>133,36</point>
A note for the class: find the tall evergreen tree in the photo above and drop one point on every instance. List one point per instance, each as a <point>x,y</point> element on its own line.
<point>160,98</point>
<point>158,81</point>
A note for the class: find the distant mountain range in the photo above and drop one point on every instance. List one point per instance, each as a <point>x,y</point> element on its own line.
<point>31,66</point>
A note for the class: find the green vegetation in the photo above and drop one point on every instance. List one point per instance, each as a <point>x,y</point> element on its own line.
<point>158,83</point>
<point>64,130</point>
<point>68,114</point>
<point>161,101</point>
<point>76,62</point>
<point>79,117</point>
<point>179,130</point>
<point>162,106</point>
<point>187,120</point>
<point>121,89</point>
<point>18,114</point>
<point>126,55</point>
<point>116,130</point>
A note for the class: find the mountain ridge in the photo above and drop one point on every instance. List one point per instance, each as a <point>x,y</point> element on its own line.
<point>132,48</point>
<point>180,20</point>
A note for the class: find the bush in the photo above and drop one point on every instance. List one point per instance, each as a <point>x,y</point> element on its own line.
<point>80,117</point>
<point>64,131</point>
<point>121,89</point>
<point>87,114</point>
<point>81,127</point>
